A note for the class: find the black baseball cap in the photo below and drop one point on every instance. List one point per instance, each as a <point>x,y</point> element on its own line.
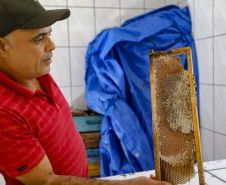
<point>27,14</point>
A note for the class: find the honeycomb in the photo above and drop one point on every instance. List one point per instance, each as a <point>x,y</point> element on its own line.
<point>175,121</point>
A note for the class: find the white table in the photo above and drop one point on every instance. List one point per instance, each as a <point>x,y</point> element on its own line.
<point>215,174</point>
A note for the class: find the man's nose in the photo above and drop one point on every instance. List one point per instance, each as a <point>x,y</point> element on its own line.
<point>50,45</point>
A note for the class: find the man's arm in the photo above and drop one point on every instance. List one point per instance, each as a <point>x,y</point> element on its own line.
<point>43,174</point>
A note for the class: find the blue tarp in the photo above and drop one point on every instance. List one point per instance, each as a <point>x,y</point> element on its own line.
<point>118,84</point>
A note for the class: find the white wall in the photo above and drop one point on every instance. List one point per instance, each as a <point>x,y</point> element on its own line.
<point>72,37</point>
<point>210,36</point>
<point>89,17</point>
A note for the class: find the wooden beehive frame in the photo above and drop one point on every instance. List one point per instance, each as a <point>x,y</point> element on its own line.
<point>174,52</point>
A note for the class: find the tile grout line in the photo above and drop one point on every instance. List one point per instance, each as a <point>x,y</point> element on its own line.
<point>144,5</point>
<point>214,176</point>
<point>216,169</point>
<point>199,39</point>
<point>213,83</point>
<point>94,11</point>
<point>58,6</point>
<point>206,129</point>
<point>194,19</point>
<point>209,171</point>
<point>219,134</point>
<point>71,46</point>
<point>219,35</point>
<point>205,84</point>
<point>105,7</point>
<point>64,86</point>
<point>209,37</point>
<point>69,52</point>
<point>213,131</point>
<point>221,85</point>
<point>120,12</point>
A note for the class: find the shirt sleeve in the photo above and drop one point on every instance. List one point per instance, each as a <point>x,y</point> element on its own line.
<point>20,150</point>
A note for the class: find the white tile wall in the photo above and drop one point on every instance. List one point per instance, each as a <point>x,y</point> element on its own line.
<point>204,49</point>
<point>148,10</point>
<point>104,3</point>
<point>130,13</point>
<point>132,4</point>
<point>54,2</point>
<point>203,18</point>
<point>60,34</point>
<point>78,98</point>
<point>191,5</point>
<point>81,3</point>
<point>207,145</point>
<point>67,94</point>
<point>219,108</point>
<point>154,4</point>
<point>219,146</point>
<point>219,17</point>
<point>60,67</point>
<point>78,66</point>
<point>182,4</point>
<point>210,37</point>
<point>219,60</point>
<point>206,106</point>
<point>103,20</point>
<point>170,2</point>
<point>81,28</point>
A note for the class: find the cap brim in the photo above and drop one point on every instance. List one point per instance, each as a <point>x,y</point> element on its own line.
<point>45,19</point>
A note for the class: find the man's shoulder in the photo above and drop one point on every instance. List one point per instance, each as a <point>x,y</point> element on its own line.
<point>10,101</point>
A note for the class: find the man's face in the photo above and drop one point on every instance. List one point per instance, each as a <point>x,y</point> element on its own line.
<point>29,53</point>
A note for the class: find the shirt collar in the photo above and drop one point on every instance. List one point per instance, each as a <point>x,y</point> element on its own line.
<point>19,88</point>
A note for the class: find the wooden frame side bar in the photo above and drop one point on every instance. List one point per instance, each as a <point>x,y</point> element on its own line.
<point>155,121</point>
<point>195,119</point>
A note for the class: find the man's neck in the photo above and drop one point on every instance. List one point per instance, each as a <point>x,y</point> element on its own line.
<point>30,83</point>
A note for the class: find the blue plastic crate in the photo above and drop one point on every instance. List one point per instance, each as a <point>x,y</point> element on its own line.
<point>92,152</point>
<point>88,123</point>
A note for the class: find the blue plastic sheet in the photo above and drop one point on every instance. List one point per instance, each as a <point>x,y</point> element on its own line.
<point>118,84</point>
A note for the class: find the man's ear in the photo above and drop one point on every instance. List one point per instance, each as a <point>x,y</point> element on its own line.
<point>3,46</point>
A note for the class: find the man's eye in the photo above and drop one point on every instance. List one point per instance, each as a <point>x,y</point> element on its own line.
<point>39,39</point>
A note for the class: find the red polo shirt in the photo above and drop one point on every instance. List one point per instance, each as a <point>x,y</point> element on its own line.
<point>33,124</point>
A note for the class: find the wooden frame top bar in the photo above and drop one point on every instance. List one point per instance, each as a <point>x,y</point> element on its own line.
<point>172,52</point>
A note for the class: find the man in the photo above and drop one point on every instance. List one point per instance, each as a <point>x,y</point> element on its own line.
<point>39,142</point>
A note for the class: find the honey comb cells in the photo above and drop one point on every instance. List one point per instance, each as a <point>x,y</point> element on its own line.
<point>174,115</point>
